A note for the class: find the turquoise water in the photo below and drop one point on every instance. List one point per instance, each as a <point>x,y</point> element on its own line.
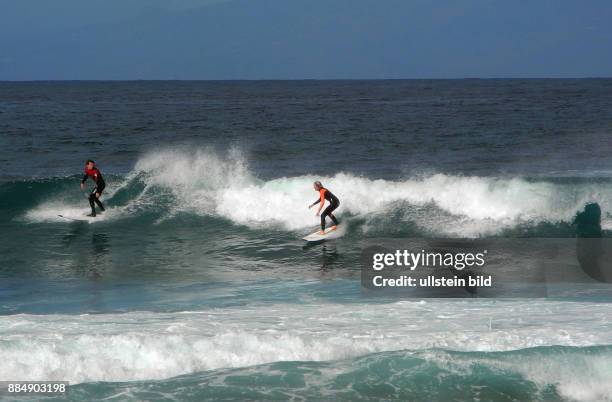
<point>432,374</point>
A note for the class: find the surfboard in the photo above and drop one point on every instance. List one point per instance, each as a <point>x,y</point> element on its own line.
<point>329,234</point>
<point>84,219</point>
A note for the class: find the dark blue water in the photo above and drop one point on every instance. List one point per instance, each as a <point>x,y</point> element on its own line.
<point>197,268</point>
<point>383,129</point>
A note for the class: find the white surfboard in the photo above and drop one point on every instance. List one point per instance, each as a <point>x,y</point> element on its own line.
<point>329,234</point>
<point>83,219</point>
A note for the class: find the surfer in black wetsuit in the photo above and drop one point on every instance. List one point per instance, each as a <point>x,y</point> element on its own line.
<point>92,171</point>
<point>325,194</point>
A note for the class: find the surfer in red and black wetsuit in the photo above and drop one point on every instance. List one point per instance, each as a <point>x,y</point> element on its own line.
<point>325,194</point>
<point>92,171</point>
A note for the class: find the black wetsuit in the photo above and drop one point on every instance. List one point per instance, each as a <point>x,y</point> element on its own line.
<point>334,203</point>
<point>96,176</point>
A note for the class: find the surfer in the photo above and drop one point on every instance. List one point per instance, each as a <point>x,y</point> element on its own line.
<point>325,194</point>
<point>94,197</point>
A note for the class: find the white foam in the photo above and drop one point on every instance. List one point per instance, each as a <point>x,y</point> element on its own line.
<point>577,375</point>
<point>285,200</point>
<point>194,178</point>
<point>144,345</point>
<point>206,183</point>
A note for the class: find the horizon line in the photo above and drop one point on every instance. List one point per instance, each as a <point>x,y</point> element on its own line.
<point>306,79</point>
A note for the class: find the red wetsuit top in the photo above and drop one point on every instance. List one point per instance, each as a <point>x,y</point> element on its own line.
<point>95,175</point>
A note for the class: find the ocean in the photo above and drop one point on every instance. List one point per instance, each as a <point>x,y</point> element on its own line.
<point>195,284</point>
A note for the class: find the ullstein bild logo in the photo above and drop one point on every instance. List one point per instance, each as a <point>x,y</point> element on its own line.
<point>504,267</point>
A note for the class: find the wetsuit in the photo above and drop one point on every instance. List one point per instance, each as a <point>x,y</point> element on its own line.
<point>325,194</point>
<point>96,176</point>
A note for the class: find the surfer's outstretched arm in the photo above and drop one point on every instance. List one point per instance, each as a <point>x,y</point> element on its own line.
<point>320,201</point>
<point>314,203</point>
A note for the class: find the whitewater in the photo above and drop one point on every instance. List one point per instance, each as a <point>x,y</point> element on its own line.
<point>146,345</point>
<point>205,183</point>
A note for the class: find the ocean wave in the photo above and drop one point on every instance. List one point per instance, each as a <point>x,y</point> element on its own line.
<point>205,183</point>
<point>542,373</point>
<point>150,346</point>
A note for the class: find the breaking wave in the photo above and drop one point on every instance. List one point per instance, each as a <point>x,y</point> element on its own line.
<point>204,183</point>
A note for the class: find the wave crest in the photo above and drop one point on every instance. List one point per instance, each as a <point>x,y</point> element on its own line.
<point>207,183</point>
